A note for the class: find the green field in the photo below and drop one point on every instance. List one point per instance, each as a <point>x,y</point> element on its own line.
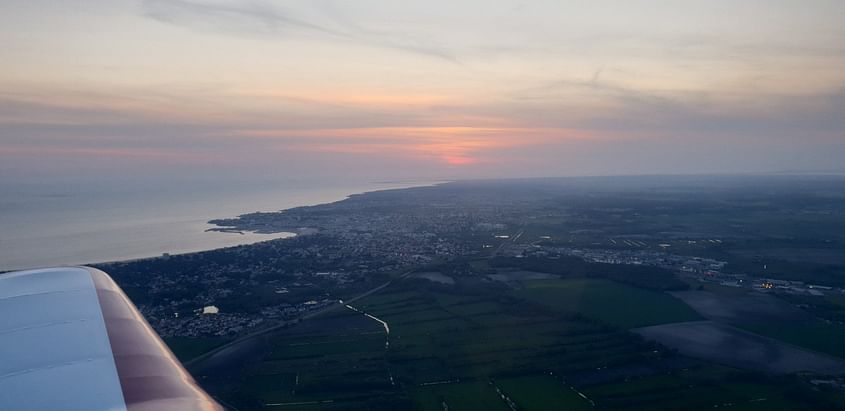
<point>333,359</point>
<point>621,305</point>
<point>818,336</point>
<point>705,387</point>
<point>467,341</point>
<point>459,349</point>
<point>542,392</point>
<point>476,395</point>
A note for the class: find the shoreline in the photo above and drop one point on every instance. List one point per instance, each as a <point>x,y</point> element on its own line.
<point>121,260</point>
<point>276,234</point>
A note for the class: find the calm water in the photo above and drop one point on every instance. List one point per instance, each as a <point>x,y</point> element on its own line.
<point>52,226</point>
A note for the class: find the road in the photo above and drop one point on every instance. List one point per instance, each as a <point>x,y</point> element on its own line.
<point>241,340</point>
<point>512,239</point>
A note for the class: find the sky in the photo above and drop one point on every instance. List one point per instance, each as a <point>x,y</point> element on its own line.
<point>154,90</point>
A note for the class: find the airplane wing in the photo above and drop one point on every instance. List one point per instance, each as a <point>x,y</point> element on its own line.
<point>70,339</point>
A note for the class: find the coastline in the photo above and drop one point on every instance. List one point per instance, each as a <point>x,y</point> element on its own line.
<point>202,236</point>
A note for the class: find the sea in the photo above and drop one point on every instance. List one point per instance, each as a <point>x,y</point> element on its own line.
<point>44,226</point>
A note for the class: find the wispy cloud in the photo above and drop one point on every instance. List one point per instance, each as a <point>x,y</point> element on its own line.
<point>251,17</point>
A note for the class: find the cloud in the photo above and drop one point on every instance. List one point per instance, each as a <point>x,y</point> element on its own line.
<point>242,15</point>
<point>250,17</point>
<point>604,105</point>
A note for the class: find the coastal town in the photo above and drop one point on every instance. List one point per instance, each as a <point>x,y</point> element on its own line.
<point>351,246</point>
<point>700,269</point>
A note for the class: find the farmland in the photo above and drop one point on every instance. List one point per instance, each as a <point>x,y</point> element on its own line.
<point>486,347</point>
<point>631,307</point>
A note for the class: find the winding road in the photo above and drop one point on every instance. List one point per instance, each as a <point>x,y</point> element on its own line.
<point>243,340</point>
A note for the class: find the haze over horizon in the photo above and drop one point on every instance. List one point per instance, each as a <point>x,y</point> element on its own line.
<point>154,90</point>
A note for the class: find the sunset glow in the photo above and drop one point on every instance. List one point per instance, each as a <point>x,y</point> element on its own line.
<point>473,89</point>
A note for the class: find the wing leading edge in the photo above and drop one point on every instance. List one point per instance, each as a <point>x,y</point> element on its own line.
<point>71,339</point>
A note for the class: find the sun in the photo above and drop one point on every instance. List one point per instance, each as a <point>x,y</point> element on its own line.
<point>458,160</point>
